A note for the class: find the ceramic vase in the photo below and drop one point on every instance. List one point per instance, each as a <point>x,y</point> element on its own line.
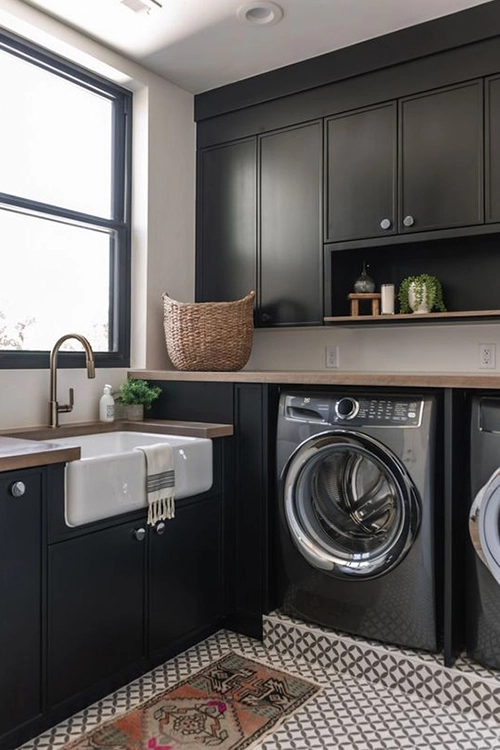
<point>425,304</point>
<point>134,412</point>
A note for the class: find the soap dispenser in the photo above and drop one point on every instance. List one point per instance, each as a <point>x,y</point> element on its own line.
<point>107,405</point>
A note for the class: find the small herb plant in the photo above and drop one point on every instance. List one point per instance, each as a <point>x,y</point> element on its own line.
<point>135,391</point>
<point>434,293</point>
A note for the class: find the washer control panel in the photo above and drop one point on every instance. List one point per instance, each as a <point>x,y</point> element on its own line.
<point>393,411</point>
<point>350,410</point>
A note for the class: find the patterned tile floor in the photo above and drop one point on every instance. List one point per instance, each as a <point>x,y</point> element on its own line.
<point>463,663</point>
<point>349,714</point>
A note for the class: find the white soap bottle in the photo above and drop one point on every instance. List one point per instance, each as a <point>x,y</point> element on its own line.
<point>107,405</point>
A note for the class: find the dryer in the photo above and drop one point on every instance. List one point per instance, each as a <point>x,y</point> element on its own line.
<point>356,513</point>
<point>483,568</point>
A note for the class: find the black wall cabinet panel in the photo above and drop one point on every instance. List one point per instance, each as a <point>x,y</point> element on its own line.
<point>441,158</point>
<point>361,166</point>
<point>227,191</point>
<point>290,226</point>
<point>492,144</point>
<point>186,589</point>
<point>21,600</point>
<point>96,608</point>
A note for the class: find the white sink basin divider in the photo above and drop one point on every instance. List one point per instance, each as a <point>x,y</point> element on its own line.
<point>110,477</point>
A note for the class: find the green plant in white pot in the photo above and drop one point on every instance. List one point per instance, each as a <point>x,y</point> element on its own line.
<point>137,395</point>
<point>421,294</point>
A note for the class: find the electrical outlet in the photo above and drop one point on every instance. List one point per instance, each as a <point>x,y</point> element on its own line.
<point>332,356</point>
<point>487,356</point>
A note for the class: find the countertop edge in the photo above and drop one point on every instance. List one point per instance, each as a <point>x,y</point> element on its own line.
<point>19,453</point>
<point>164,426</point>
<point>321,377</point>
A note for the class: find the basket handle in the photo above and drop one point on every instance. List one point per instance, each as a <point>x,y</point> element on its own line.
<point>250,296</point>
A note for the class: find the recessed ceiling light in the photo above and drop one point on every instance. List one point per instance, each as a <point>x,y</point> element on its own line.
<point>261,13</point>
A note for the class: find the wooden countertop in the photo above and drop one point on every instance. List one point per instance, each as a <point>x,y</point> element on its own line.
<point>17,453</point>
<point>327,377</point>
<point>19,448</point>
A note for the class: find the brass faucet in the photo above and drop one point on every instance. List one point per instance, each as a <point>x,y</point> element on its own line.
<point>54,408</point>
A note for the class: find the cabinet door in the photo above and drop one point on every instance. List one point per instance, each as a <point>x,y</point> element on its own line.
<point>441,158</point>
<point>227,221</point>
<point>361,174</point>
<point>290,226</point>
<point>20,597</point>
<point>96,608</point>
<point>492,142</point>
<point>186,587</point>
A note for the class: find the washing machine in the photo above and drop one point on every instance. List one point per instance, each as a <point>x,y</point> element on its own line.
<point>356,513</point>
<point>483,561</point>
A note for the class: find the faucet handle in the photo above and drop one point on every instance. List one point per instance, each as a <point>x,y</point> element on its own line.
<point>67,407</point>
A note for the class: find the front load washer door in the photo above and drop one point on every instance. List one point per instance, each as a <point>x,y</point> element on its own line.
<point>349,504</point>
<point>484,519</point>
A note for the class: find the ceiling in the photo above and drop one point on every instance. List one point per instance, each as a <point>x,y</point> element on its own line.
<point>200,44</point>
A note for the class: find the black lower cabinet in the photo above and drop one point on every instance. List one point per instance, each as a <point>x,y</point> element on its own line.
<point>186,579</point>
<point>87,609</point>
<point>96,608</point>
<point>249,486</point>
<point>21,508</point>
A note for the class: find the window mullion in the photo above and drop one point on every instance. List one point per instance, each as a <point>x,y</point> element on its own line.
<point>35,208</point>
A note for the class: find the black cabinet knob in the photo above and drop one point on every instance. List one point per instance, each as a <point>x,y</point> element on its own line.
<point>265,318</point>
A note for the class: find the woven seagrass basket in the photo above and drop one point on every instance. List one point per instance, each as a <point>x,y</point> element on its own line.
<point>209,336</point>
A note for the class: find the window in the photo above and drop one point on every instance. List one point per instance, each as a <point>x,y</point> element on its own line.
<point>64,210</point>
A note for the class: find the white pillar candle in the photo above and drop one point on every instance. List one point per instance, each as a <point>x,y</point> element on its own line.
<point>387,291</point>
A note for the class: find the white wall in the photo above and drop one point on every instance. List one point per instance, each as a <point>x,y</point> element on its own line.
<point>163,216</point>
<point>397,348</point>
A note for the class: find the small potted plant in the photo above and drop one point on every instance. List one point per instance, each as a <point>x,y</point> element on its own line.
<point>137,395</point>
<point>421,294</point>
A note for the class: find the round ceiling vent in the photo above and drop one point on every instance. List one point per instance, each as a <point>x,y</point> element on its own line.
<point>261,13</point>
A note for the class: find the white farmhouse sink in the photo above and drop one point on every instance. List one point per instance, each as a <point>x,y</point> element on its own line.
<point>110,477</point>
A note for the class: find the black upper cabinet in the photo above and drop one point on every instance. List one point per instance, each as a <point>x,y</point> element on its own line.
<point>361,172</point>
<point>21,598</point>
<point>440,165</point>
<point>266,217</point>
<point>227,231</point>
<point>492,145</point>
<point>186,589</point>
<point>441,159</point>
<point>96,608</point>
<point>290,225</point>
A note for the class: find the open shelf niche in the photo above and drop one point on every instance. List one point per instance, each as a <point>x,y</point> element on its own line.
<point>468,269</point>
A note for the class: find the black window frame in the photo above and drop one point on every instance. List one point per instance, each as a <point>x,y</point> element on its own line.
<point>120,222</point>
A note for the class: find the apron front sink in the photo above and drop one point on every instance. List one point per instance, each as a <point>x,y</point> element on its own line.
<point>110,476</point>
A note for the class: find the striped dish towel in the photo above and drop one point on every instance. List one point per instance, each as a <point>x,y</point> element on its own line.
<point>160,481</point>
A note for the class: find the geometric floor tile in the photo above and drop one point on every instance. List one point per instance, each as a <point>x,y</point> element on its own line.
<point>349,714</point>
<point>465,687</point>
